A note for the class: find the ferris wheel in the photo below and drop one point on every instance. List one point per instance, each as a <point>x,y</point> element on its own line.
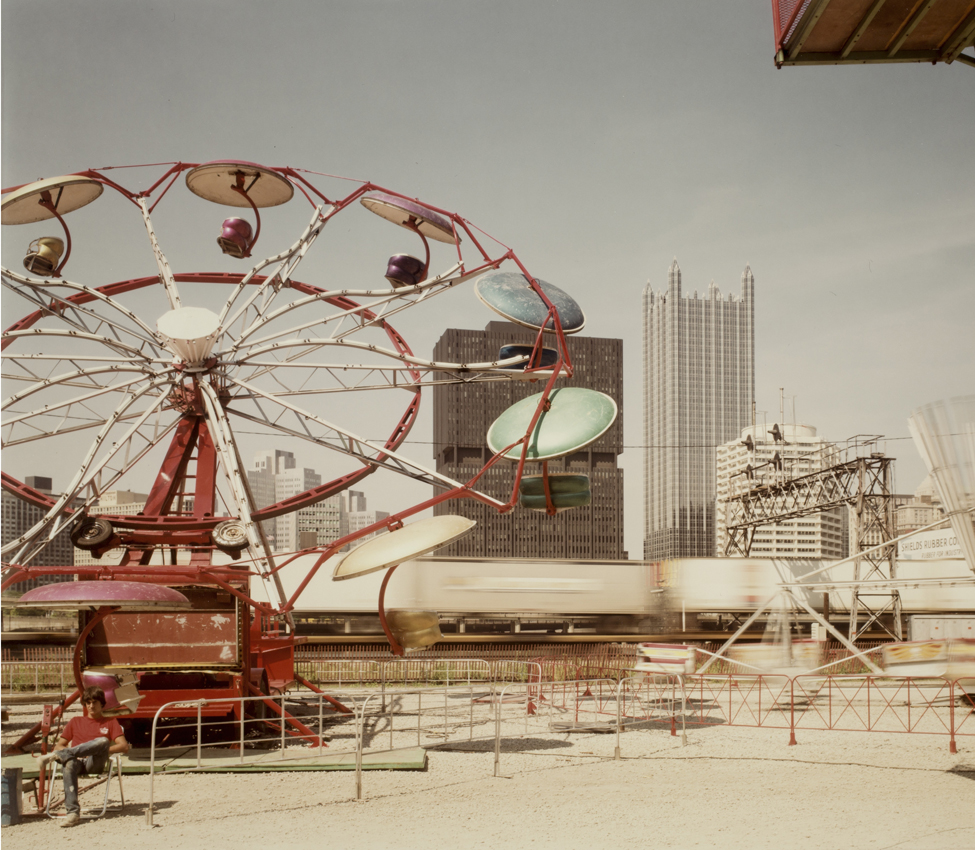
<point>149,382</point>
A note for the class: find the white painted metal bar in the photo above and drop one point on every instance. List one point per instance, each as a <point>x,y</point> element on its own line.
<point>226,447</point>
<point>404,465</point>
<point>93,293</point>
<point>422,290</point>
<point>165,272</point>
<point>274,281</point>
<point>88,469</point>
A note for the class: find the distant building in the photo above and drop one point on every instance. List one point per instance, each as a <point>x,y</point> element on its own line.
<point>699,391</point>
<point>463,413</point>
<point>820,536</point>
<point>18,518</point>
<point>319,524</point>
<point>919,510</point>
<point>111,503</point>
<point>275,476</point>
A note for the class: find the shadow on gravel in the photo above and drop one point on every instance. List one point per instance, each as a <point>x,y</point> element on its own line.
<point>517,745</point>
<point>966,770</point>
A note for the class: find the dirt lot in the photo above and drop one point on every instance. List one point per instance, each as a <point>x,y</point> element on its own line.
<point>728,787</point>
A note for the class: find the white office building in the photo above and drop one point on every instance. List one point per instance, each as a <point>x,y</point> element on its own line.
<point>111,503</point>
<point>756,458</point>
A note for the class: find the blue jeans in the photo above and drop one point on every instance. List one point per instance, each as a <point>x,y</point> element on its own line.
<point>88,759</point>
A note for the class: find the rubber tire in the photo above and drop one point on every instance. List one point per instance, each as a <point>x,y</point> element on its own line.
<point>91,532</point>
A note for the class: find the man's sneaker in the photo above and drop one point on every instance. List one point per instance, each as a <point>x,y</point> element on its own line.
<point>73,819</point>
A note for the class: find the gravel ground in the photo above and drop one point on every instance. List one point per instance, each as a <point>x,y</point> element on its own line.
<point>728,787</point>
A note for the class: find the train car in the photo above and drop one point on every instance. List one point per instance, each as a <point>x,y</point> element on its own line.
<point>712,592</point>
<point>610,597</point>
<point>493,596</point>
<point>477,595</point>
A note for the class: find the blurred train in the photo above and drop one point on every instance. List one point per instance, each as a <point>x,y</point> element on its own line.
<point>484,596</point>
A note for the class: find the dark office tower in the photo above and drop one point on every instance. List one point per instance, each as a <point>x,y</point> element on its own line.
<point>699,388</point>
<point>464,412</point>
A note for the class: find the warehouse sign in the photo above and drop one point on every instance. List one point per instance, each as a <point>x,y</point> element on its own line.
<point>929,546</point>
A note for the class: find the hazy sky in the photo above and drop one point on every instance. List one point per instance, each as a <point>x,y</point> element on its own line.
<point>598,140</point>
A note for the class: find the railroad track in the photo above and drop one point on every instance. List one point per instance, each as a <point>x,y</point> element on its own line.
<point>518,638</point>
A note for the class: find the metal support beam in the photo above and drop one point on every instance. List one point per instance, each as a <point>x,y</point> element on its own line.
<point>855,36</point>
<point>864,484</point>
<point>807,25</point>
<point>909,27</point>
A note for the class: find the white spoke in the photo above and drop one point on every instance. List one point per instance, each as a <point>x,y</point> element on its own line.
<point>70,379</point>
<point>348,443</point>
<point>95,295</point>
<point>65,519</point>
<point>226,446</point>
<point>274,282</point>
<point>62,307</point>
<point>383,298</point>
<point>115,345</point>
<point>165,272</point>
<point>89,468</point>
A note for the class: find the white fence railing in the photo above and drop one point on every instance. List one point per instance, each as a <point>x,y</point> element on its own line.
<point>36,677</point>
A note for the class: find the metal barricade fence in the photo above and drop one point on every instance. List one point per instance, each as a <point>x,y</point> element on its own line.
<point>422,717</point>
<point>516,671</point>
<point>583,703</point>
<point>873,704</point>
<point>343,673</point>
<point>393,718</point>
<point>445,672</point>
<point>36,677</point>
<point>651,699</point>
<point>963,709</point>
<point>739,700</point>
<point>250,723</point>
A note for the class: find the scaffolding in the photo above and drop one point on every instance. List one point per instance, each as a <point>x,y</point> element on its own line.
<point>854,476</point>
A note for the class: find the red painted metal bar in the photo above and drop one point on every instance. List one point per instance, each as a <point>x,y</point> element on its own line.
<point>28,494</point>
<point>239,189</point>
<point>30,735</point>
<point>173,468</point>
<point>205,491</point>
<point>100,615</point>
<point>16,576</point>
<point>210,576</point>
<point>339,707</point>
<point>299,731</point>
<point>394,644</point>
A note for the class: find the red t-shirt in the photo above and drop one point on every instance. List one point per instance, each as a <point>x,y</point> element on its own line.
<point>81,730</point>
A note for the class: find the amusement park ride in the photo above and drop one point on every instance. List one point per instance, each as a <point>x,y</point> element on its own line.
<point>149,382</point>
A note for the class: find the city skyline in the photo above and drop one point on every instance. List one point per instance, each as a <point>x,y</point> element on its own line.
<point>720,159</point>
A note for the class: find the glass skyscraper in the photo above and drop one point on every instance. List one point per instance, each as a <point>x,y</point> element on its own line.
<point>699,390</point>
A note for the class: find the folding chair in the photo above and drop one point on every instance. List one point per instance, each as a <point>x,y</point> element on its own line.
<point>112,766</point>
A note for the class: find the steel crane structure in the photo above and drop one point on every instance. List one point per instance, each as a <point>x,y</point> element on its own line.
<point>766,495</point>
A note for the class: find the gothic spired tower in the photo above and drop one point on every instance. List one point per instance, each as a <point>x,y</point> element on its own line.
<point>699,389</point>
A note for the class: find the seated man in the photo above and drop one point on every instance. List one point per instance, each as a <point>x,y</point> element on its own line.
<point>84,747</point>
